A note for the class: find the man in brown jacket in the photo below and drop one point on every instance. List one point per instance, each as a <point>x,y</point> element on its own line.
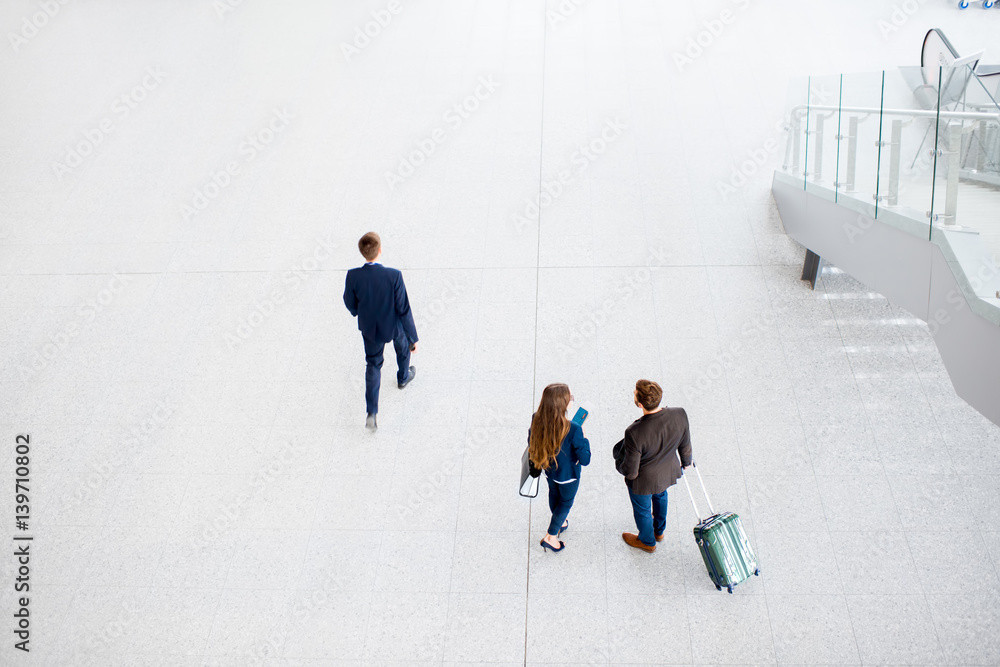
<point>650,464</point>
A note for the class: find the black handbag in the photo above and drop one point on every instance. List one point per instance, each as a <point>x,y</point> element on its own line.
<point>529,476</point>
<point>618,451</point>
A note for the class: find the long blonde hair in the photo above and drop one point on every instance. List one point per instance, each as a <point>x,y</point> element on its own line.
<point>549,426</point>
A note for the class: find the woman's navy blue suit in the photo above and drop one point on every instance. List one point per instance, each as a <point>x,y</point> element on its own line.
<point>574,452</point>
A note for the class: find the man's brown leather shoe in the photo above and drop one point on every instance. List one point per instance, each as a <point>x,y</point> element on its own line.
<point>632,540</point>
<point>659,538</point>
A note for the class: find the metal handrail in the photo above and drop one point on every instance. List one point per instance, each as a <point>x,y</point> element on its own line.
<point>916,113</point>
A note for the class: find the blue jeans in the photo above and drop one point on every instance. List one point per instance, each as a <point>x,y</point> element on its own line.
<point>649,526</point>
<point>373,372</point>
<point>560,502</point>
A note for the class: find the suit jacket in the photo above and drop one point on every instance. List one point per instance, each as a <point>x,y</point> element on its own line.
<point>376,295</point>
<point>652,443</point>
<point>574,452</point>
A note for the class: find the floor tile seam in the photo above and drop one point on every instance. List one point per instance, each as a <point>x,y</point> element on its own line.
<point>538,270</point>
<point>300,88</point>
<point>727,374</point>
<point>994,559</point>
<point>826,521</point>
<point>885,474</point>
<point>106,522</point>
<point>104,627</point>
<point>461,474</point>
<point>204,588</point>
<point>77,587</point>
<point>269,438</point>
<point>604,541</point>
<point>214,614</point>
<point>646,239</point>
<point>81,274</point>
<point>746,489</point>
<point>753,235</point>
<point>982,541</point>
<point>965,496</point>
<point>171,526</point>
<point>628,266</point>
<point>312,532</point>
<point>345,269</point>
<point>660,356</point>
<point>269,161</point>
<point>688,616</point>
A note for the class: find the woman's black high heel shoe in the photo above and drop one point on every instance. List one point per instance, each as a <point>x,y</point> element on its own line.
<point>546,545</point>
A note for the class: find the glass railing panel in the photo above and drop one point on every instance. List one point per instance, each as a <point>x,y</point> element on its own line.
<point>966,116</point>
<point>977,204</point>
<point>823,123</point>
<point>966,206</point>
<point>859,150</point>
<point>796,114</point>
<point>980,160</point>
<point>906,165</point>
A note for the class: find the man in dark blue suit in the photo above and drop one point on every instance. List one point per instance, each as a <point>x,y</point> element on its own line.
<point>376,295</point>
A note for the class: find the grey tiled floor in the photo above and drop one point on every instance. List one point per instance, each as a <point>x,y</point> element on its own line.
<point>203,490</point>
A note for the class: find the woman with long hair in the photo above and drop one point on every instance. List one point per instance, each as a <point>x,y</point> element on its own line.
<point>557,446</point>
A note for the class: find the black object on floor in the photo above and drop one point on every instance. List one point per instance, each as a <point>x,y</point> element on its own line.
<point>811,267</point>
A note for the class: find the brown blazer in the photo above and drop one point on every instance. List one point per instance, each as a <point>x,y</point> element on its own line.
<point>651,446</point>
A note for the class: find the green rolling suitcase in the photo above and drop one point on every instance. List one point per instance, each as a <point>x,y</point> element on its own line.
<point>728,556</point>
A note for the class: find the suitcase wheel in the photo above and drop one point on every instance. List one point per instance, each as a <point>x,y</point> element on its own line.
<point>718,587</point>
<point>730,589</point>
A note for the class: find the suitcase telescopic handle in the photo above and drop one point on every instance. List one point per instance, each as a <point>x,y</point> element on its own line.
<point>703,489</point>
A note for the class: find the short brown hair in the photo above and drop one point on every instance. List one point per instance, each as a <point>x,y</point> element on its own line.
<point>649,393</point>
<point>369,245</point>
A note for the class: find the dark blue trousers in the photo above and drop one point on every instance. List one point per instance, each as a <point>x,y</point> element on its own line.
<point>373,372</point>
<point>560,502</point>
<point>649,526</point>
